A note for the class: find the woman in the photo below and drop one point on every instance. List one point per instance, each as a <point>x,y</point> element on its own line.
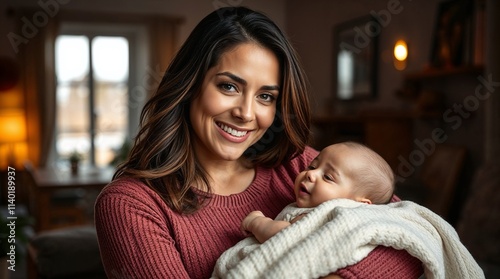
<point>225,134</point>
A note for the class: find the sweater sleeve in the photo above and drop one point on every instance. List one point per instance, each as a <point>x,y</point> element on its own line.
<point>384,262</point>
<point>125,214</point>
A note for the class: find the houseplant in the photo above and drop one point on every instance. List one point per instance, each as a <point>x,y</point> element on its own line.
<point>74,159</point>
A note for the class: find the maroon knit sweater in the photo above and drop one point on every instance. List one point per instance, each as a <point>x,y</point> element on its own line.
<point>140,237</point>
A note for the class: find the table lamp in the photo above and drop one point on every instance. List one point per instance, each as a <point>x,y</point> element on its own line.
<point>12,131</point>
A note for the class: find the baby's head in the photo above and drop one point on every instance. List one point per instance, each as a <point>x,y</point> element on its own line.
<point>345,170</point>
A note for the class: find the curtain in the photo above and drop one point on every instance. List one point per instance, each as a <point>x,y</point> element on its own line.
<point>162,39</point>
<point>37,64</point>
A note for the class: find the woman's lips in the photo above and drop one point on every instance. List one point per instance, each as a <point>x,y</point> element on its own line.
<point>233,134</point>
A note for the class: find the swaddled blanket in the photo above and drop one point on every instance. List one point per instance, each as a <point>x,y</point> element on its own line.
<point>342,232</point>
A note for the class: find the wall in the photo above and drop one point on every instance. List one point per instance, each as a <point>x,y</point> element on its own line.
<point>311,24</point>
<point>191,10</point>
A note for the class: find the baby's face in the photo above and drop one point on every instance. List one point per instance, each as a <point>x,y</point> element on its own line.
<point>328,176</point>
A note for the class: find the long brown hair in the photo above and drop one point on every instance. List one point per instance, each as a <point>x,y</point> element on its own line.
<point>162,155</point>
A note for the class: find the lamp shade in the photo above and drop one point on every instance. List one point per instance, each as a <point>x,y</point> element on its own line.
<point>12,126</point>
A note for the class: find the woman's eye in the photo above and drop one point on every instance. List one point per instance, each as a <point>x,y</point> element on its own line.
<point>227,87</point>
<point>311,167</point>
<point>266,97</point>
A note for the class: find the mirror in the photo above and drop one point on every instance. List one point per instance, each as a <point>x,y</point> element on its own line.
<point>355,59</point>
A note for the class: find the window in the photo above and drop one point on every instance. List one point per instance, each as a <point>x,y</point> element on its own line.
<point>92,95</point>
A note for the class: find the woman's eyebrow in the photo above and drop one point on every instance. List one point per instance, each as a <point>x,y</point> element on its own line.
<point>233,77</point>
<point>270,88</point>
<point>244,82</point>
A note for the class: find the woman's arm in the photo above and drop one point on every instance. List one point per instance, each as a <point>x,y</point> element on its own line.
<point>384,262</point>
<point>133,238</point>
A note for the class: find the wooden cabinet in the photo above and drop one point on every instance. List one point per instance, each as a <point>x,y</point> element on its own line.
<point>388,132</point>
<point>417,77</point>
<point>436,80</point>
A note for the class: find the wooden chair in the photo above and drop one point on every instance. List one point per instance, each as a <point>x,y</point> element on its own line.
<point>436,185</point>
<point>69,253</point>
<point>440,176</point>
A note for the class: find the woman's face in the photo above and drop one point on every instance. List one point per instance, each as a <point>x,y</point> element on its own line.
<point>237,102</point>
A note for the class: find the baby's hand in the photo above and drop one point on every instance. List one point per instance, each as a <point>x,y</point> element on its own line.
<point>246,225</point>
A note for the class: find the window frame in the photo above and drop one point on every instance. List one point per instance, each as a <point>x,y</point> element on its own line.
<point>138,51</point>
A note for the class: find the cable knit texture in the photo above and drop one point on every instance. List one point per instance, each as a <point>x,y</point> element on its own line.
<point>342,232</point>
<point>140,237</point>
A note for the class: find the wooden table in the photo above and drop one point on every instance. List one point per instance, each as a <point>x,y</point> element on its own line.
<point>48,181</point>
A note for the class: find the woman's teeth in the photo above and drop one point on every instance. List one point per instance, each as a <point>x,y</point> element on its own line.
<point>232,131</point>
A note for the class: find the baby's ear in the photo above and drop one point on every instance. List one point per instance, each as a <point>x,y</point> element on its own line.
<point>364,200</point>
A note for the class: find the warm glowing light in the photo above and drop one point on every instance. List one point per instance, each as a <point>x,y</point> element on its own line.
<point>13,148</point>
<point>12,126</point>
<point>400,50</point>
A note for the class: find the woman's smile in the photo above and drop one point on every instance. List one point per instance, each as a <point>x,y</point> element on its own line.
<point>232,133</point>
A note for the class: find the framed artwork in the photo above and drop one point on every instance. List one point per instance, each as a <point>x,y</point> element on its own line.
<point>355,59</point>
<point>452,44</point>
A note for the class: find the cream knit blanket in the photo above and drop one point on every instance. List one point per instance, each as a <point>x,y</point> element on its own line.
<point>342,232</point>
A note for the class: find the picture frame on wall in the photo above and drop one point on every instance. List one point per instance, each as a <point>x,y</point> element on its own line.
<point>452,43</point>
<point>355,59</point>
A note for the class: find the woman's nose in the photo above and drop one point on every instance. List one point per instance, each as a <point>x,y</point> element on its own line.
<point>244,110</point>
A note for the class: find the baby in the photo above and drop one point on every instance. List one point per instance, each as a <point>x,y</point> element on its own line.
<point>346,170</point>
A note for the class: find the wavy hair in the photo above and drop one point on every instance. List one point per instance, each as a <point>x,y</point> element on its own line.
<point>162,155</point>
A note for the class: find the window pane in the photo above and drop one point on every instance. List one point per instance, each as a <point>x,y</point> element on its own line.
<point>72,95</point>
<point>110,59</point>
<point>72,58</point>
<point>110,65</point>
